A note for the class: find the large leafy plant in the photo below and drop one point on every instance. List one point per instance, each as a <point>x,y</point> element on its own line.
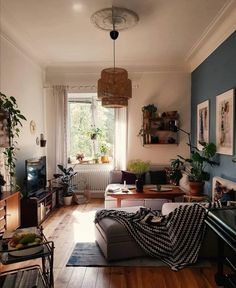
<point>199,160</point>
<point>14,122</point>
<point>138,166</point>
<point>66,179</point>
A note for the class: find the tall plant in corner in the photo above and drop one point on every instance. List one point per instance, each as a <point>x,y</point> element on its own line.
<point>14,118</point>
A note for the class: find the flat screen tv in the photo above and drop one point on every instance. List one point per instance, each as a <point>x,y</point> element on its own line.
<point>36,176</point>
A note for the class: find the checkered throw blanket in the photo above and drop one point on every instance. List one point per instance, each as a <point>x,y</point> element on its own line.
<point>174,238</point>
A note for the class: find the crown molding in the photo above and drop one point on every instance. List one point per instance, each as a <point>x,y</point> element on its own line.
<point>7,34</point>
<point>223,25</point>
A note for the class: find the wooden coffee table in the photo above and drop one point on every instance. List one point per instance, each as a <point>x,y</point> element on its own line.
<point>172,193</point>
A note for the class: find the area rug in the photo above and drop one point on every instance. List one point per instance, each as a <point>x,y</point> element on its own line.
<point>89,254</point>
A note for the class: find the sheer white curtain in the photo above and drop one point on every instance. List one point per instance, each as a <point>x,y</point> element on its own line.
<point>56,126</point>
<point>120,147</point>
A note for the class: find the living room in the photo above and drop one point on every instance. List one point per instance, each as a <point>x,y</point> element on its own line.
<point>202,66</point>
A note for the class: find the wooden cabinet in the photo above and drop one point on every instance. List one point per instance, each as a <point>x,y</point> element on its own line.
<point>35,210</point>
<point>160,130</point>
<point>9,211</point>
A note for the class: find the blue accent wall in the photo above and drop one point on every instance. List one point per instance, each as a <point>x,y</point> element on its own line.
<point>217,74</point>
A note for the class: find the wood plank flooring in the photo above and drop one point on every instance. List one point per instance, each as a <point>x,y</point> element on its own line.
<point>69,225</point>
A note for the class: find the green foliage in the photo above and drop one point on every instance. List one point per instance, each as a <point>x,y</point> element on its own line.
<point>66,179</point>
<point>138,166</point>
<point>104,147</point>
<point>150,108</point>
<point>14,121</point>
<point>195,165</point>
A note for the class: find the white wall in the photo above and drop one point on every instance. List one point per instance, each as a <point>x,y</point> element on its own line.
<point>169,92</point>
<point>22,78</point>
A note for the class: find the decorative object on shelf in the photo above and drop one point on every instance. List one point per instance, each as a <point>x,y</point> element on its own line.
<point>149,111</point>
<point>158,130</point>
<point>225,122</point>
<point>32,127</point>
<point>42,141</point>
<point>66,182</point>
<point>114,87</point>
<point>202,123</point>
<point>14,122</point>
<point>138,167</point>
<point>196,164</point>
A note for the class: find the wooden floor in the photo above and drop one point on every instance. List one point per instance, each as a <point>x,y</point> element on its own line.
<point>69,225</point>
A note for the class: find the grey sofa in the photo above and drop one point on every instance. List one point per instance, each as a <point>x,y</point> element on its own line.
<point>116,243</point>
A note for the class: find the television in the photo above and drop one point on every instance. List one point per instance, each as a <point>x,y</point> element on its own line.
<point>36,176</point>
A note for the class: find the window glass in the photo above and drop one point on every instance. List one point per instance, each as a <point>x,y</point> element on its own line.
<point>90,127</point>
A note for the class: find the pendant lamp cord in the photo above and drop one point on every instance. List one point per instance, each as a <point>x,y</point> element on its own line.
<point>114,48</point>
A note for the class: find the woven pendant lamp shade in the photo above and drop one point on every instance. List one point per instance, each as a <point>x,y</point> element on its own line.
<point>114,88</point>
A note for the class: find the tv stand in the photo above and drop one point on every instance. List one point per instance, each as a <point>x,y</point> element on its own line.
<point>34,210</point>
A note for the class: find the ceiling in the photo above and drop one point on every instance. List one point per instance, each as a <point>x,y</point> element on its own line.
<point>60,32</point>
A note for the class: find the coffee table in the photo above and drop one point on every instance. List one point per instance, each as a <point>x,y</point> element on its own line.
<point>170,193</point>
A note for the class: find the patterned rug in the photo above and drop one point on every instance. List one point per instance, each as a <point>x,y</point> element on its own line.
<point>89,254</point>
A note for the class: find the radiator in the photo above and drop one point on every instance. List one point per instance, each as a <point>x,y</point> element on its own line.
<point>94,181</point>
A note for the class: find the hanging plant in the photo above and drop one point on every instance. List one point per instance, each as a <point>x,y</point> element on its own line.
<point>14,118</point>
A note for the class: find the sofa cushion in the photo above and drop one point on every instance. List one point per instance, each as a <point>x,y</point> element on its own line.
<point>130,177</point>
<point>158,177</point>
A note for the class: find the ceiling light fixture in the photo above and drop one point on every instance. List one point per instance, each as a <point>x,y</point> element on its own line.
<point>114,87</point>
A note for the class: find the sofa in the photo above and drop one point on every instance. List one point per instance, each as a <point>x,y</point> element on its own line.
<point>156,176</point>
<point>116,243</point>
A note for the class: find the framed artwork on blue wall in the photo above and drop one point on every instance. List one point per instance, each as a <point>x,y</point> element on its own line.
<point>225,122</point>
<point>202,123</point>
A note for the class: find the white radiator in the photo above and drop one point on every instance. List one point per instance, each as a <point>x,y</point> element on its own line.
<point>93,180</point>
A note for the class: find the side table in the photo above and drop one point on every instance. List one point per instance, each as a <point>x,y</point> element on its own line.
<point>46,254</point>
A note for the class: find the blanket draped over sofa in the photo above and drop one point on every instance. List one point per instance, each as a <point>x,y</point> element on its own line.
<point>174,238</point>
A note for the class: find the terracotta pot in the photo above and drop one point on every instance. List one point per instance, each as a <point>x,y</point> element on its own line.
<point>196,188</point>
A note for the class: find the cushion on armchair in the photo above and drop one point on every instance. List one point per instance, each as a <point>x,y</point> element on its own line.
<point>130,177</point>
<point>158,177</point>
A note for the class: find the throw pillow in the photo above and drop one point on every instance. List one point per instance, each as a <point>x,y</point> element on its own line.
<point>128,177</point>
<point>158,177</point>
<point>222,194</point>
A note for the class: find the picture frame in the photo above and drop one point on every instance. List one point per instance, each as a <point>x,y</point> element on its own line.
<point>225,122</point>
<point>202,123</point>
<point>4,131</point>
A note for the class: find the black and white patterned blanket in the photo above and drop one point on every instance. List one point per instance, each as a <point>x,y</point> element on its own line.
<point>175,238</point>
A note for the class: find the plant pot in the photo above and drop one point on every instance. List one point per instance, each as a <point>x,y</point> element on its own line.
<point>104,159</point>
<point>196,188</point>
<point>139,185</point>
<point>67,200</point>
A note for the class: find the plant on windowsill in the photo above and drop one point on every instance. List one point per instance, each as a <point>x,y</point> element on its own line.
<point>104,148</point>
<point>195,166</point>
<point>14,121</point>
<point>138,167</point>
<point>66,181</point>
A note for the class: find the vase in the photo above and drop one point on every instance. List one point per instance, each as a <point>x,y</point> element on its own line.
<point>139,184</point>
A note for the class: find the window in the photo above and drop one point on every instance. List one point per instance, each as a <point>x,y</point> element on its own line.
<point>90,127</point>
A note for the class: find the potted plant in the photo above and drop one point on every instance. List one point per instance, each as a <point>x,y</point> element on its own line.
<point>104,147</point>
<point>66,181</point>
<point>14,119</point>
<point>138,167</point>
<point>195,166</point>
<point>94,132</point>
<point>149,110</point>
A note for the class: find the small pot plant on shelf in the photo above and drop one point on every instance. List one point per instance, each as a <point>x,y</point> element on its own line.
<point>138,167</point>
<point>66,181</point>
<point>197,163</point>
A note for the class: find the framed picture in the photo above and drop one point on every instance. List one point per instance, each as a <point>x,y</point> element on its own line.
<point>202,123</point>
<point>225,122</point>
<point>4,132</point>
